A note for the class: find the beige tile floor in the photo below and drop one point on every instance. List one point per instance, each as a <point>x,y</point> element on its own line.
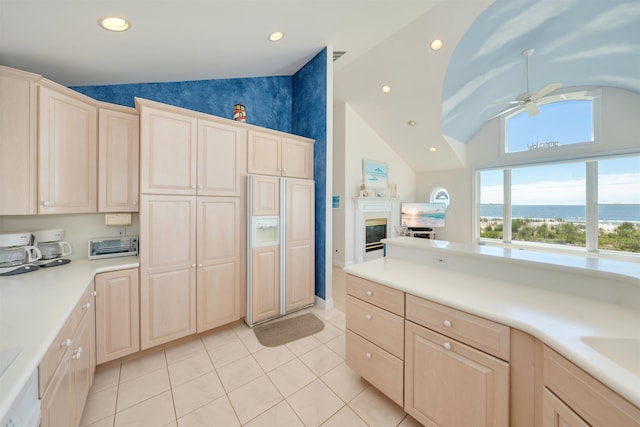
<point>227,378</point>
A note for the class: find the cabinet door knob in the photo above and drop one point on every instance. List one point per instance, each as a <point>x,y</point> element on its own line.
<point>86,306</point>
<point>65,343</point>
<point>368,316</point>
<point>200,265</point>
<point>446,346</point>
<point>46,203</point>
<point>447,323</point>
<point>369,293</point>
<point>368,355</point>
<point>193,187</point>
<point>193,266</point>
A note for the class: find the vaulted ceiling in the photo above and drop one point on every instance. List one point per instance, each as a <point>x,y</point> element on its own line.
<point>447,93</point>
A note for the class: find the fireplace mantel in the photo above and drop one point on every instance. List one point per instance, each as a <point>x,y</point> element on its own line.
<point>368,207</point>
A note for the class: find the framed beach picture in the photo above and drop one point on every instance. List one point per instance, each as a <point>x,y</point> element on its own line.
<point>375,174</point>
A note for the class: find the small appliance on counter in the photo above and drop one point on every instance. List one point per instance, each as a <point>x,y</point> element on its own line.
<point>111,247</point>
<point>16,254</point>
<point>51,244</point>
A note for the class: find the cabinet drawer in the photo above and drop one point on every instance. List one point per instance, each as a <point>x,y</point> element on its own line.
<point>483,334</point>
<point>589,398</point>
<point>380,368</point>
<point>383,296</point>
<point>53,356</point>
<point>377,325</point>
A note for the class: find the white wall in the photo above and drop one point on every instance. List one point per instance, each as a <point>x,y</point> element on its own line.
<point>355,140</point>
<point>620,134</point>
<point>78,228</point>
<point>459,219</point>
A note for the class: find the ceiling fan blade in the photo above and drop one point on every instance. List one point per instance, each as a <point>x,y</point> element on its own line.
<point>508,110</point>
<point>506,102</point>
<point>532,109</point>
<point>545,91</point>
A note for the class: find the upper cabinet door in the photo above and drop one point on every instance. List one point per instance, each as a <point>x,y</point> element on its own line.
<point>168,150</point>
<point>297,158</point>
<point>264,153</point>
<point>118,153</point>
<point>222,159</point>
<point>17,142</point>
<point>67,158</point>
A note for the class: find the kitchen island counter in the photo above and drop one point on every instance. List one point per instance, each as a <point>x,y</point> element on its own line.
<point>565,321</point>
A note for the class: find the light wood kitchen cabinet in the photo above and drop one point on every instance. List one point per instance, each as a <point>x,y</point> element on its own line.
<point>448,383</point>
<point>375,322</point>
<point>184,153</point>
<point>557,414</point>
<point>265,196</point>
<point>117,314</point>
<point>167,269</point>
<point>66,372</point>
<point>299,244</point>
<point>271,153</point>
<point>219,259</point>
<point>265,286</point>
<point>118,159</point>
<point>18,178</point>
<point>67,151</point>
<point>572,396</point>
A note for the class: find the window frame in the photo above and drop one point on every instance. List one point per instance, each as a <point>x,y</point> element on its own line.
<point>591,210</point>
<point>563,151</point>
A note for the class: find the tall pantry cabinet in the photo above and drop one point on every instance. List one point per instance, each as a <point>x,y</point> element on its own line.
<point>192,222</point>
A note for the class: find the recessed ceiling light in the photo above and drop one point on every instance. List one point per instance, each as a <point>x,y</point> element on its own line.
<point>275,36</point>
<point>386,89</point>
<point>436,44</point>
<point>411,123</point>
<point>114,23</point>
<point>432,149</point>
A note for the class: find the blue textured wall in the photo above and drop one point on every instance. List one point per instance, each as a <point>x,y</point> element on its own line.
<point>294,104</point>
<point>310,120</point>
<point>267,99</point>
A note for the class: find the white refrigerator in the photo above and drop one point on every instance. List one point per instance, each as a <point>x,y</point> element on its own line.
<point>281,254</point>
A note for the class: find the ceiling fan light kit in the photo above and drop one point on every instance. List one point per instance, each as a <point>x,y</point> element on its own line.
<point>528,99</point>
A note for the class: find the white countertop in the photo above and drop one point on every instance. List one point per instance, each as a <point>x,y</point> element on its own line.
<point>33,308</point>
<point>558,319</point>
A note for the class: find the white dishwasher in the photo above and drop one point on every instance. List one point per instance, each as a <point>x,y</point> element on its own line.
<point>25,411</point>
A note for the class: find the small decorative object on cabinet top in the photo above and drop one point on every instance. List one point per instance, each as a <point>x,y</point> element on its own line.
<point>239,113</point>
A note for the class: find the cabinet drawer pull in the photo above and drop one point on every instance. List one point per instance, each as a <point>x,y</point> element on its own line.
<point>66,343</point>
<point>369,293</point>
<point>368,316</point>
<point>447,323</point>
<point>368,355</point>
<point>446,346</point>
<point>86,306</point>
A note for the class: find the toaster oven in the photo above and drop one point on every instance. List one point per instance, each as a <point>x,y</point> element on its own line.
<point>111,247</point>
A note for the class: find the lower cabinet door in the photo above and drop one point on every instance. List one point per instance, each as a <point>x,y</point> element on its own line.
<point>56,402</point>
<point>449,384</point>
<point>556,414</point>
<point>117,314</point>
<point>167,306</point>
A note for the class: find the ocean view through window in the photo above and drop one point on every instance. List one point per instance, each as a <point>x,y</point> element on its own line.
<point>549,204</point>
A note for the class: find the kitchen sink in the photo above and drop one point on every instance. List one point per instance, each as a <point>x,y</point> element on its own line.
<point>7,356</point>
<point>622,351</point>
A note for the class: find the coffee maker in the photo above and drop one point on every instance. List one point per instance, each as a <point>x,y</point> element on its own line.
<point>17,255</point>
<point>53,247</point>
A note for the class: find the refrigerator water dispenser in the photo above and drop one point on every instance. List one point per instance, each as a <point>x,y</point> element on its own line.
<point>265,231</point>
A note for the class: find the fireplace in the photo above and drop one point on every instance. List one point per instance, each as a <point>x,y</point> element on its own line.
<point>375,229</point>
<point>384,215</point>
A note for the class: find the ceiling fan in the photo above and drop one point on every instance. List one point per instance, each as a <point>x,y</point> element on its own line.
<point>528,99</point>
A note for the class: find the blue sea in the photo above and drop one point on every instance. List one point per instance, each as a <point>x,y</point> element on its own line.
<point>606,213</point>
